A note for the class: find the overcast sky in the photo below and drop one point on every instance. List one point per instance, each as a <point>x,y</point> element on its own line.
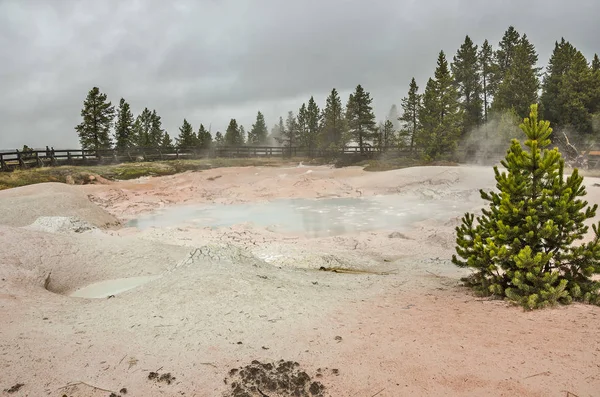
<point>213,60</point>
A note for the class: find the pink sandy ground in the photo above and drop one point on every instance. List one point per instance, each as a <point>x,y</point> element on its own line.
<point>411,333</point>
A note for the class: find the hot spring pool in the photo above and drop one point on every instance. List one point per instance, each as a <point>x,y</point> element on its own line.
<point>310,217</point>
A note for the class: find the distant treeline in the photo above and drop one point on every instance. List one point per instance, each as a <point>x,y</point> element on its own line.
<point>475,101</point>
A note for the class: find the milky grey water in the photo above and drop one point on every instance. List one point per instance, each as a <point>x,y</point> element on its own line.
<point>310,217</point>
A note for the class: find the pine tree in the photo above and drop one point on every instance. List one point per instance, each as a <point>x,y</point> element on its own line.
<point>233,136</point>
<point>219,139</point>
<point>203,138</point>
<point>142,126</point>
<point>302,125</point>
<point>289,136</point>
<point>595,99</point>
<point>98,114</point>
<point>440,116</point>
<point>312,119</point>
<point>520,85</point>
<point>361,120</point>
<point>576,93</point>
<point>385,135</point>
<point>487,69</point>
<point>155,135</point>
<point>595,63</point>
<point>258,134</point>
<point>521,247</point>
<point>124,126</point>
<point>557,67</point>
<point>466,75</point>
<point>411,107</point>
<point>167,143</point>
<point>187,137</point>
<point>333,123</point>
<point>242,135</point>
<point>505,54</point>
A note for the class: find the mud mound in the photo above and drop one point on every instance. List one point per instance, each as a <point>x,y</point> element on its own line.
<point>281,379</point>
<point>23,205</point>
<point>61,224</point>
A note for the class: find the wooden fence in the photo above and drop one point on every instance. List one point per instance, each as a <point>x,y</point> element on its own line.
<point>10,160</point>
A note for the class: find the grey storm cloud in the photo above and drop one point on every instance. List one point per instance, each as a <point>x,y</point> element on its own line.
<point>209,61</point>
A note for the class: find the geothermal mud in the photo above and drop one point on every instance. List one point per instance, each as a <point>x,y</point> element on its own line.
<point>335,282</point>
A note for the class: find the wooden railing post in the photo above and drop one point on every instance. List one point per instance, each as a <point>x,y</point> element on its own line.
<point>20,160</point>
<point>38,161</point>
<point>52,157</point>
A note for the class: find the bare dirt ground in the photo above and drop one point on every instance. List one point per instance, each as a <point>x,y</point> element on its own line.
<point>399,324</point>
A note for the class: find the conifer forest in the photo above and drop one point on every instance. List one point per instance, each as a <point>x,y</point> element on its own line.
<point>474,100</point>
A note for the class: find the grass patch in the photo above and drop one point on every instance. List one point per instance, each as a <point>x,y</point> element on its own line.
<point>126,171</point>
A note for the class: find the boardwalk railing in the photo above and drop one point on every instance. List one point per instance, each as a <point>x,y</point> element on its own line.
<point>10,160</point>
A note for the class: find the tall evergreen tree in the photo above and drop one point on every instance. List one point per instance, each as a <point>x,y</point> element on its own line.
<point>521,247</point>
<point>361,120</point>
<point>385,135</point>
<point>558,65</point>
<point>595,100</point>
<point>302,124</point>
<point>411,107</point>
<point>440,115</point>
<point>466,75</point>
<point>290,133</point>
<point>258,134</point>
<point>167,142</point>
<point>187,137</point>
<point>203,138</point>
<point>595,63</point>
<point>519,88</point>
<point>219,139</point>
<point>487,68</point>
<point>333,122</point>
<point>124,126</point>
<point>505,53</point>
<point>576,95</point>
<point>155,135</point>
<point>233,136</point>
<point>242,135</point>
<point>310,138</point>
<point>97,114</point>
<point>142,127</point>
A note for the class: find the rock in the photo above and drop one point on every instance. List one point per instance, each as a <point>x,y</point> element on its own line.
<point>69,180</point>
<point>92,177</point>
<point>398,235</point>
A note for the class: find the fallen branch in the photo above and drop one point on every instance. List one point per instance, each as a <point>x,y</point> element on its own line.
<point>87,384</point>
<point>541,373</point>
<point>378,392</point>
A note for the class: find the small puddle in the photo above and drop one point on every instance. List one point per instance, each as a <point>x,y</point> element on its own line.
<point>311,217</point>
<point>104,289</point>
